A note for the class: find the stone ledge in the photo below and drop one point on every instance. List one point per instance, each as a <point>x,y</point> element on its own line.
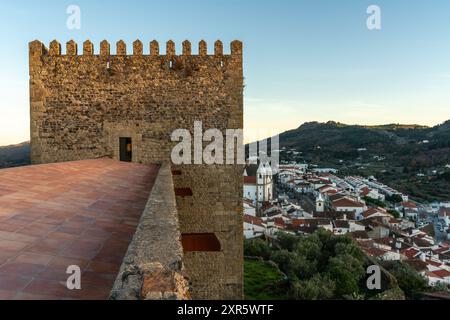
<point>153,266</point>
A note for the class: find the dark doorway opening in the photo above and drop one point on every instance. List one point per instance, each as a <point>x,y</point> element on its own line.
<point>126,150</point>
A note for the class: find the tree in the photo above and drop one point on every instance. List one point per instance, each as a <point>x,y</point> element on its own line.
<point>375,202</point>
<point>347,272</point>
<point>286,261</point>
<point>287,241</point>
<point>309,247</point>
<point>411,282</point>
<point>257,248</point>
<point>318,266</point>
<point>394,213</point>
<point>395,198</point>
<point>317,288</point>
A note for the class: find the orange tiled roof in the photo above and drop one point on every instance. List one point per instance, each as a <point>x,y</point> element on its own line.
<point>444,212</point>
<point>250,180</point>
<point>411,252</point>
<point>344,202</point>
<point>442,273</point>
<point>374,252</point>
<point>364,191</point>
<point>408,204</point>
<point>80,213</point>
<point>371,211</point>
<point>253,220</point>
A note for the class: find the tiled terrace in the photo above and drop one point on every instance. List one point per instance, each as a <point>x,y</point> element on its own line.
<point>81,213</point>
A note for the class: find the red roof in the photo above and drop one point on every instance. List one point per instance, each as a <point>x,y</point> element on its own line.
<point>434,263</point>
<point>364,191</point>
<point>442,273</point>
<point>279,222</point>
<point>80,213</point>
<point>298,222</point>
<point>370,212</point>
<point>249,202</point>
<point>287,167</point>
<point>374,252</point>
<point>411,252</point>
<point>253,220</point>
<point>444,212</point>
<point>250,180</point>
<point>345,202</point>
<point>441,250</point>
<point>408,204</point>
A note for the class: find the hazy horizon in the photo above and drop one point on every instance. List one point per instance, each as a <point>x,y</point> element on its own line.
<point>304,60</point>
<point>263,136</point>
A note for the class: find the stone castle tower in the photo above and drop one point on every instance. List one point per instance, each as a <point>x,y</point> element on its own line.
<point>126,106</point>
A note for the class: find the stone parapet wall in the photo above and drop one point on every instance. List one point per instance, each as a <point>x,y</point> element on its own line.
<point>153,266</point>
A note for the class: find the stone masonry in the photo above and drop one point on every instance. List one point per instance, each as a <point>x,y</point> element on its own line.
<point>82,103</point>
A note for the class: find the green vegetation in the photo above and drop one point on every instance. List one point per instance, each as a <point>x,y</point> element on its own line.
<point>445,176</point>
<point>394,213</point>
<point>375,202</point>
<point>263,281</point>
<point>319,266</point>
<point>322,266</point>
<point>411,282</point>
<point>394,198</point>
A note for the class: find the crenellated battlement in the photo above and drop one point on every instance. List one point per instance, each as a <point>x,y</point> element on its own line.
<point>37,48</point>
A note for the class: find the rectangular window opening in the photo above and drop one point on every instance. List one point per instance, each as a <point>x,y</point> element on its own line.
<point>205,242</point>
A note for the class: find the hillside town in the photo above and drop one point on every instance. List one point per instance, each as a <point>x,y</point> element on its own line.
<point>386,224</point>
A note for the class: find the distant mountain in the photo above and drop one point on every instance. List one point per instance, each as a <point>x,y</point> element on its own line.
<point>396,153</point>
<point>15,155</point>
<point>427,146</point>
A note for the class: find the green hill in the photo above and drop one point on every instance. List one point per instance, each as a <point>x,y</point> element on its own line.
<point>15,155</point>
<point>412,158</point>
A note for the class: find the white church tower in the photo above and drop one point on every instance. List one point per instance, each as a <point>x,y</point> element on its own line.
<point>264,182</point>
<point>320,203</point>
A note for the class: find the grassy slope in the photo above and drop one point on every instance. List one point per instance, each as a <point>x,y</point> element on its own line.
<point>261,281</point>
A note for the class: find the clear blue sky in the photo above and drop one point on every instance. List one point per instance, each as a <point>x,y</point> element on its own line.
<point>304,60</point>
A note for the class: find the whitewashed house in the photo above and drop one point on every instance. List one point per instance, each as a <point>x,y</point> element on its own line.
<point>260,187</point>
<point>346,204</point>
<point>249,207</point>
<point>444,215</point>
<point>253,227</point>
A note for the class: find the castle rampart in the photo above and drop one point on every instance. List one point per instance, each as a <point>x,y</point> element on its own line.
<point>88,103</point>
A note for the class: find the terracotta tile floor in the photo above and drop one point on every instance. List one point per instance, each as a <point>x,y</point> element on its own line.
<point>80,213</point>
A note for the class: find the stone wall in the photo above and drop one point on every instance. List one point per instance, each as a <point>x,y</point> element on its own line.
<point>81,104</point>
<point>153,266</point>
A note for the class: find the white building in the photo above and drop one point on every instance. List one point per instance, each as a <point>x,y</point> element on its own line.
<point>320,203</point>
<point>253,227</point>
<point>249,207</point>
<point>444,216</point>
<point>298,168</point>
<point>260,187</point>
<point>346,204</point>
<point>438,276</point>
